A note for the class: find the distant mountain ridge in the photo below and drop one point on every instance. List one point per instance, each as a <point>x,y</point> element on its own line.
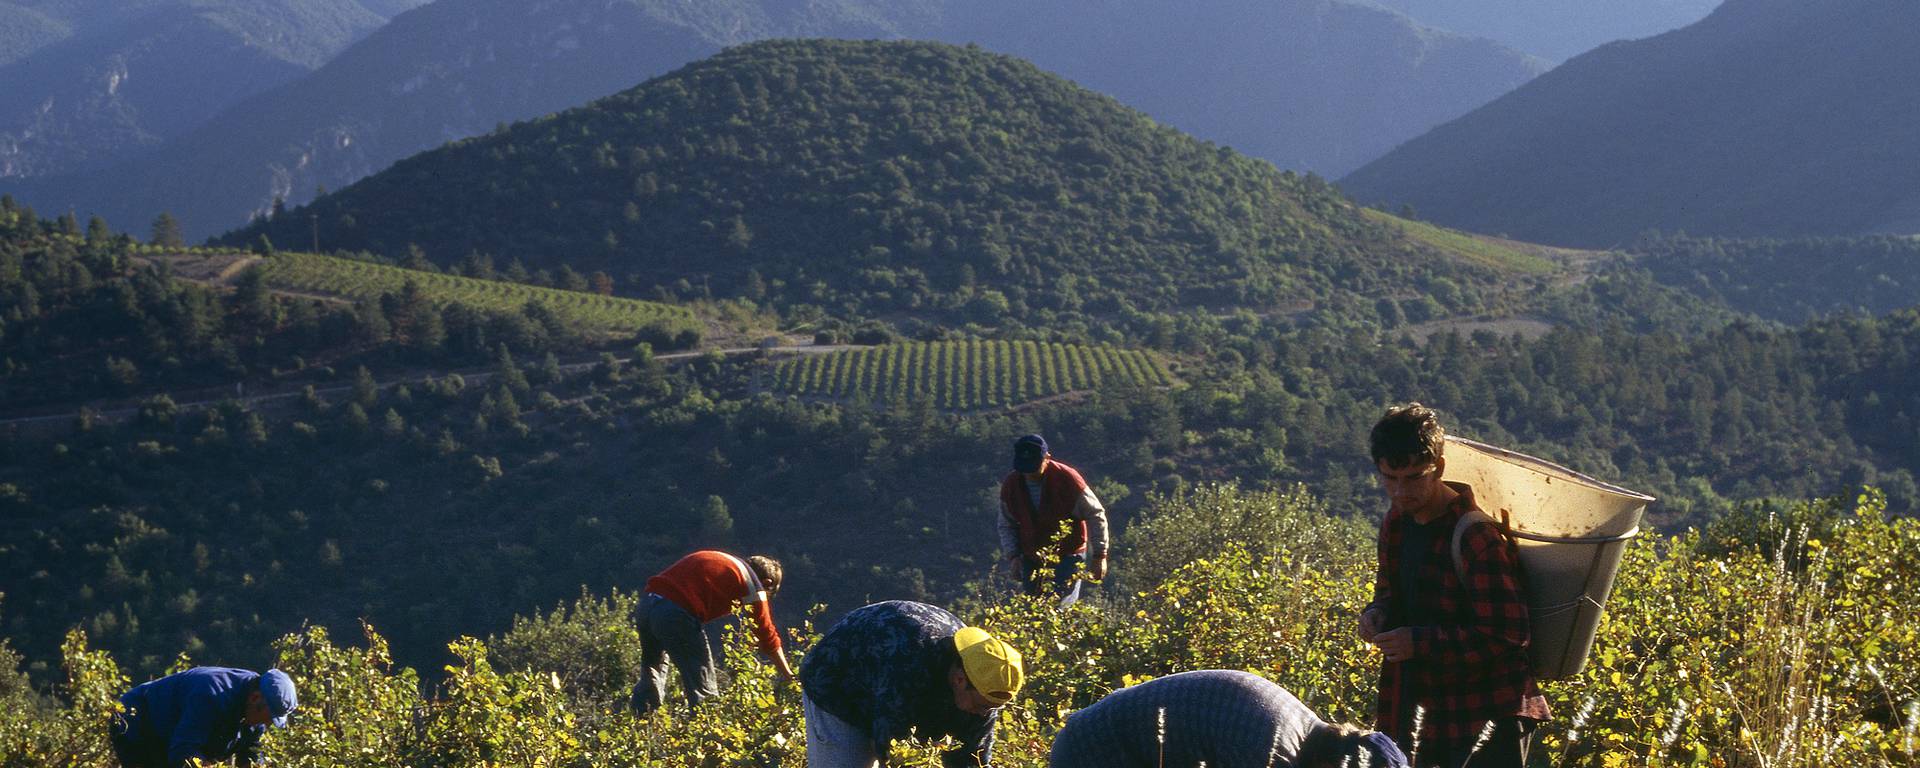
<point>1310,85</point>
<point>1297,82</point>
<point>24,30</point>
<point>1555,29</point>
<point>1774,118</point>
<point>90,84</point>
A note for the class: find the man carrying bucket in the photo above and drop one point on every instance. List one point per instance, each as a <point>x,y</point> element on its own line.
<point>1455,649</point>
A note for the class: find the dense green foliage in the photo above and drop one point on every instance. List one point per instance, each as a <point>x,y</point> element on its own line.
<point>583,312</point>
<point>79,318</point>
<point>965,374</point>
<point>1731,650</point>
<point>1789,280</point>
<point>95,316</point>
<point>444,507</point>
<point>871,179</point>
<point>1742,125</point>
<point>1741,412</point>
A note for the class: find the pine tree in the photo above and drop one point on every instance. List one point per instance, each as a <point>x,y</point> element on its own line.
<point>507,372</point>
<point>365,390</point>
<point>166,232</point>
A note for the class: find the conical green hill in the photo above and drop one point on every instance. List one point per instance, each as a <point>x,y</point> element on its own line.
<point>876,176</point>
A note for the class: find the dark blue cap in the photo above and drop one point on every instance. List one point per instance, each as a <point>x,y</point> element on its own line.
<point>277,689</point>
<point>1386,754</point>
<point>1028,452</point>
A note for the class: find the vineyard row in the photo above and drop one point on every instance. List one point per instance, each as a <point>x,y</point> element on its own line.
<point>364,281</point>
<point>960,375</point>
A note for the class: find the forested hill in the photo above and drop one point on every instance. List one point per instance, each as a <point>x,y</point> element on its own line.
<point>1789,280</point>
<point>1768,118</point>
<point>873,177</point>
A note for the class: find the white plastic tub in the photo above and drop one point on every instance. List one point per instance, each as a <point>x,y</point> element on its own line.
<point>1571,530</point>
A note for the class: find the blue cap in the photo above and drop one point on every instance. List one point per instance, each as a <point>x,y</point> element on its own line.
<point>1028,453</point>
<point>277,689</point>
<point>1386,754</point>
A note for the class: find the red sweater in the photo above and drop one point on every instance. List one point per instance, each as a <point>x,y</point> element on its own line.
<point>1052,524</point>
<point>706,584</point>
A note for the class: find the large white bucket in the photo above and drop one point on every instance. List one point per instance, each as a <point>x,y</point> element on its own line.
<point>1571,530</point>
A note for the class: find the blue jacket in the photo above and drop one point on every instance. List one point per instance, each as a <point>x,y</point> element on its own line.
<point>196,713</point>
<point>884,668</point>
<point>1222,718</point>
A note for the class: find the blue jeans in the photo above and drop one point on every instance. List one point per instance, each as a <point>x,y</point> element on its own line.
<point>1064,582</point>
<point>836,743</point>
<point>667,631</point>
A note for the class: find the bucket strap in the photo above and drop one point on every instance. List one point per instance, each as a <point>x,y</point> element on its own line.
<point>1472,518</point>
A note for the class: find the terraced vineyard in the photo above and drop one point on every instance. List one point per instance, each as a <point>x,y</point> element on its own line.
<point>961,375</point>
<point>361,281</point>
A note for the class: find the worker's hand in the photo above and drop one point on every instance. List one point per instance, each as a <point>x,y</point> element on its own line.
<point>1396,644</point>
<point>1372,620</point>
<point>1097,569</point>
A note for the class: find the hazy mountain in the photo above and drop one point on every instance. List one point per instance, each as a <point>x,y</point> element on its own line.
<point>1311,85</point>
<point>885,177</point>
<point>24,30</point>
<point>449,70</point>
<point>1555,29</point>
<point>1770,117</point>
<point>89,83</point>
<point>1308,84</point>
<point>392,8</point>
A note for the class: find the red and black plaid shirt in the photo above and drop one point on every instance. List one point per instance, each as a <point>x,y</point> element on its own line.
<point>1472,668</point>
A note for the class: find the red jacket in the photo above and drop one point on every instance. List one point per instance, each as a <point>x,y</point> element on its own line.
<point>1472,668</point>
<point>1053,523</point>
<point>706,584</point>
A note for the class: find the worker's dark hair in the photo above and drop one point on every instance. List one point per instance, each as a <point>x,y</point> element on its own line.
<point>1409,434</point>
<point>768,569</point>
<point>1330,745</point>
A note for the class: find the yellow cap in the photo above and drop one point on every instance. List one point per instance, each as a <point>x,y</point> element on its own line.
<point>991,665</point>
